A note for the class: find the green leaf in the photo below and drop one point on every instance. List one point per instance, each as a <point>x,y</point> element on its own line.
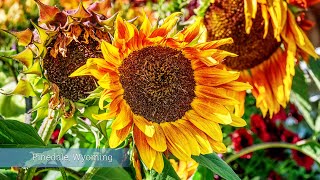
<point>7,174</point>
<point>304,108</point>
<point>317,126</point>
<point>314,65</point>
<point>13,103</point>
<point>216,165</point>
<point>89,111</point>
<point>299,84</point>
<point>167,173</point>
<point>115,173</point>
<point>203,174</point>
<point>312,149</point>
<point>13,132</point>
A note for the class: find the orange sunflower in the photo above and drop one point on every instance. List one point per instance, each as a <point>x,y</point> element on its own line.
<point>169,90</point>
<point>268,42</point>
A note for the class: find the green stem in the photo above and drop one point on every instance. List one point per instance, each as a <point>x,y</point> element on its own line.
<point>90,172</point>
<point>260,147</point>
<point>48,125</point>
<point>70,172</point>
<point>45,132</point>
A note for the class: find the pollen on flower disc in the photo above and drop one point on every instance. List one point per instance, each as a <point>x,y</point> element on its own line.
<point>226,18</point>
<point>158,83</point>
<point>59,68</point>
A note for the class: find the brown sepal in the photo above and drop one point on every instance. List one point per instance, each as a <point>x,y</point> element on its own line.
<point>81,12</point>
<point>24,37</point>
<point>46,13</point>
<point>100,7</point>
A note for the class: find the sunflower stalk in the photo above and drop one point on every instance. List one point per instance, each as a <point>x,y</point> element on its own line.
<point>90,172</point>
<point>45,132</point>
<point>48,125</point>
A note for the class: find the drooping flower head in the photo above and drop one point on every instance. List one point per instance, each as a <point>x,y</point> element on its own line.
<point>267,40</point>
<point>61,42</point>
<point>167,89</point>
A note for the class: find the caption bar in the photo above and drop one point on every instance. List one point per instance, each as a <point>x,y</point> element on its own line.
<point>62,157</point>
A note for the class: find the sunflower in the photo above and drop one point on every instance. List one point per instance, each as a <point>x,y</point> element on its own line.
<point>169,90</point>
<point>268,42</point>
<point>60,43</point>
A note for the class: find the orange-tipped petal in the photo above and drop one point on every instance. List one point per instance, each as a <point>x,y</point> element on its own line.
<point>158,140</point>
<point>147,154</point>
<point>47,13</point>
<point>144,125</point>
<point>211,111</point>
<point>118,136</point>
<point>24,37</point>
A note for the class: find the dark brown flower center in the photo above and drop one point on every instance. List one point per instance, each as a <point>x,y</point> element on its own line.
<point>158,83</point>
<point>226,18</point>
<point>59,68</point>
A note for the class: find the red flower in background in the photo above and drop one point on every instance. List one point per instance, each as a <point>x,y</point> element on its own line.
<point>302,159</point>
<point>259,127</point>
<point>279,117</point>
<point>54,137</point>
<point>241,138</point>
<point>289,137</point>
<point>274,176</point>
<point>270,130</point>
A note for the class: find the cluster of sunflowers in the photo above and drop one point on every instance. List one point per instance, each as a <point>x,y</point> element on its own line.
<point>159,86</point>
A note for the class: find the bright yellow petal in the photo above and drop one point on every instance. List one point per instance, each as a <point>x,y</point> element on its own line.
<point>110,53</point>
<point>211,111</point>
<point>123,118</point>
<point>211,128</point>
<point>205,147</point>
<point>158,163</point>
<point>144,125</point>
<point>118,136</point>
<point>147,154</point>
<point>192,142</point>
<point>176,141</point>
<point>158,140</point>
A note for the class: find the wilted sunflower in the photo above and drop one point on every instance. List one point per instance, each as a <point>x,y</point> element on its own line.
<point>169,90</point>
<point>61,43</point>
<point>267,40</point>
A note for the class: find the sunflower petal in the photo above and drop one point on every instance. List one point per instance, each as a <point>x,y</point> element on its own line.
<point>211,111</point>
<point>158,164</point>
<point>217,146</point>
<point>158,140</point>
<point>176,141</point>
<point>123,118</point>
<point>237,121</point>
<point>118,136</point>
<point>147,154</point>
<point>193,144</point>
<point>144,125</point>
<point>205,147</point>
<point>212,129</point>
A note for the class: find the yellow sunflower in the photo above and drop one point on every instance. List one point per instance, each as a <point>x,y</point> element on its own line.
<point>170,91</point>
<point>267,40</point>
